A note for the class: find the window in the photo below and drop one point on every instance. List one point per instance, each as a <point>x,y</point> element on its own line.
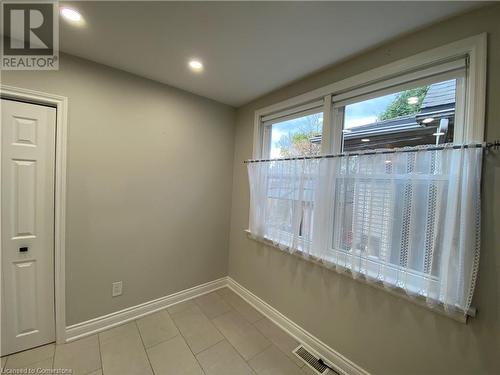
<point>424,113</point>
<point>371,215</point>
<point>421,108</point>
<point>295,135</point>
<point>415,114</point>
<point>289,135</point>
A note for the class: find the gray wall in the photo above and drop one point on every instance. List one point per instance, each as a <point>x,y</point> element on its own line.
<point>148,181</point>
<point>382,333</point>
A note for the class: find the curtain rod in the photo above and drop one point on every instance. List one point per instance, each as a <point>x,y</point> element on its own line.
<point>486,145</point>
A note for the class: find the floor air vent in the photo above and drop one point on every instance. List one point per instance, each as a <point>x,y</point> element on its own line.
<point>316,364</point>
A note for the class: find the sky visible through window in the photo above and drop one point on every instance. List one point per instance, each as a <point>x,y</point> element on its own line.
<point>367,111</point>
<point>291,137</point>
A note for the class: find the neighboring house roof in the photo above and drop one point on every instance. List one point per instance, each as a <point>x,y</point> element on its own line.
<point>439,101</point>
<point>439,94</point>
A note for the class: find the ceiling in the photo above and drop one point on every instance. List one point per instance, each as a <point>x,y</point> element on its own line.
<point>248,48</point>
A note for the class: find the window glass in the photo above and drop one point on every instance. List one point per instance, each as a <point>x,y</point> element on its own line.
<point>421,115</point>
<point>417,116</point>
<point>296,137</point>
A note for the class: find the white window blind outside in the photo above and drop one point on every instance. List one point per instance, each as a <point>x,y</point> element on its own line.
<point>409,220</point>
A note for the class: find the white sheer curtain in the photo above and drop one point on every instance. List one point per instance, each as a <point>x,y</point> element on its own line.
<point>282,199</point>
<point>408,220</point>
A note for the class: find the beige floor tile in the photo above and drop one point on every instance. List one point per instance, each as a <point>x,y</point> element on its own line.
<point>212,305</point>
<point>241,334</point>
<point>98,372</point>
<point>223,359</point>
<point>309,371</point>
<point>280,338</point>
<point>4,359</point>
<point>81,356</point>
<point>180,307</point>
<point>124,329</point>
<point>273,362</point>
<point>224,292</point>
<point>156,328</point>
<point>197,329</point>
<point>29,357</point>
<point>240,305</point>
<point>173,357</point>
<point>122,351</point>
<point>45,364</point>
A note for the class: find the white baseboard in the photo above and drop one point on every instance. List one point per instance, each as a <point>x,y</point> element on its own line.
<point>310,342</point>
<point>105,322</point>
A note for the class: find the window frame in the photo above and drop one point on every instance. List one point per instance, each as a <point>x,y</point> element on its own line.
<point>421,65</point>
<point>262,134</point>
<point>472,50</point>
<point>267,124</point>
<point>370,92</point>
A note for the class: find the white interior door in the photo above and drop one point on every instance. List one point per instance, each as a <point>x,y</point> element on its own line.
<point>27,224</point>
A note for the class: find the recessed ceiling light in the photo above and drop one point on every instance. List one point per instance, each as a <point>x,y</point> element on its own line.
<point>365,140</point>
<point>71,15</point>
<point>412,100</point>
<point>195,65</point>
<point>388,162</point>
<point>438,133</point>
<point>428,120</point>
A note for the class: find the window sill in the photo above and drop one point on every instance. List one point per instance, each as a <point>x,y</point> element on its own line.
<point>399,292</point>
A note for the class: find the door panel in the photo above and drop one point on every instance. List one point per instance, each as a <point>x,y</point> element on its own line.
<point>24,197</point>
<point>27,176</point>
<point>24,289</point>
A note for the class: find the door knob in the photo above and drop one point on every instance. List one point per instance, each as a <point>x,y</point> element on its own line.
<point>23,249</point>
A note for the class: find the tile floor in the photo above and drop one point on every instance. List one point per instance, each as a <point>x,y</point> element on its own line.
<point>215,334</point>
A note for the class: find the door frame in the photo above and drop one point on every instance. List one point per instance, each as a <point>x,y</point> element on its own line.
<point>61,105</point>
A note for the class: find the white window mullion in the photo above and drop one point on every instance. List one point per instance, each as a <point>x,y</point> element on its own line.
<point>462,132</point>
<point>337,128</point>
<point>328,131</point>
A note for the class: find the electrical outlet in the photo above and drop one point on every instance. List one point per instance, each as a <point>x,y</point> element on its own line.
<point>117,288</point>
